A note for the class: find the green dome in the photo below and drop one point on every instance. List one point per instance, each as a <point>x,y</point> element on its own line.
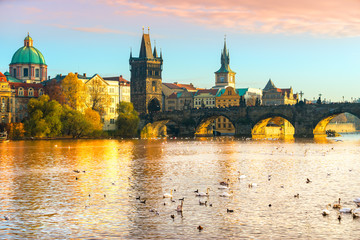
<point>28,55</point>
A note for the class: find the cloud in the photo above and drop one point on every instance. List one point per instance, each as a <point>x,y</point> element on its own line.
<point>331,17</point>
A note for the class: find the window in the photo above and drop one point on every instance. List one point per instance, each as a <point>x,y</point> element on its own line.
<point>21,91</point>
<point>37,73</point>
<point>224,125</point>
<point>111,90</point>
<point>229,125</point>
<point>26,72</point>
<point>112,121</point>
<point>14,71</point>
<point>41,92</point>
<point>112,100</point>
<point>154,86</point>
<point>31,92</point>
<point>219,125</point>
<point>112,110</point>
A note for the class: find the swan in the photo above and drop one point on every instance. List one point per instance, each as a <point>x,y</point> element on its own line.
<point>168,195</point>
<point>345,210</point>
<point>357,201</point>
<point>356,213</point>
<point>222,187</point>
<point>180,207</point>
<point>337,205</point>
<point>202,194</point>
<point>226,194</point>
<point>242,176</point>
<point>325,212</point>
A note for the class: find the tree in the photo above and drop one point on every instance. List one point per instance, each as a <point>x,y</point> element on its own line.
<point>128,120</point>
<point>74,123</point>
<point>15,130</point>
<point>99,98</point>
<point>44,117</point>
<point>54,91</point>
<point>74,91</point>
<point>93,117</point>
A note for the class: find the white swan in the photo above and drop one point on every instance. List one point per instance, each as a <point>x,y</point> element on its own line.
<point>226,194</point>
<point>242,176</point>
<point>222,187</point>
<point>357,201</point>
<point>356,213</point>
<point>168,195</point>
<point>325,212</point>
<point>202,194</point>
<point>345,210</point>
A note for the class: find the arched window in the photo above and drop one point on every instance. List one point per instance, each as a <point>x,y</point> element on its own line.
<point>154,86</point>
<point>31,92</point>
<point>41,92</point>
<point>21,91</point>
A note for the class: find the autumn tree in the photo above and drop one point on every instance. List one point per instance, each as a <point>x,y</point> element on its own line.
<point>74,123</point>
<point>74,91</point>
<point>127,121</point>
<point>44,117</point>
<point>54,91</point>
<point>93,117</point>
<point>98,97</point>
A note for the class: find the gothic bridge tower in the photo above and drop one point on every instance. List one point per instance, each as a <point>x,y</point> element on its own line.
<point>145,81</point>
<point>225,76</point>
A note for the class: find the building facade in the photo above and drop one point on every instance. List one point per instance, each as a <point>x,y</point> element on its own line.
<point>146,80</point>
<point>205,98</point>
<point>278,96</point>
<point>226,98</point>
<point>7,101</point>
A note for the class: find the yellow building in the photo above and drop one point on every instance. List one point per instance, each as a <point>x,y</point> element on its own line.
<point>7,101</point>
<point>226,98</point>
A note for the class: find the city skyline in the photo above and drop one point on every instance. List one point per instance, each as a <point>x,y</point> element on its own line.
<point>312,48</point>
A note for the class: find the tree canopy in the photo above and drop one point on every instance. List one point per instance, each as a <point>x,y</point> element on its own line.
<point>128,120</point>
<point>74,91</point>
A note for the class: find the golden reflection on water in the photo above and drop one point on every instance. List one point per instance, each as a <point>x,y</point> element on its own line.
<point>42,194</point>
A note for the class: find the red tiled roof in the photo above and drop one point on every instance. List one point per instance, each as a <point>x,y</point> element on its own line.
<point>120,79</point>
<point>172,85</point>
<point>173,95</point>
<point>189,87</point>
<point>211,91</point>
<point>2,77</point>
<point>26,85</point>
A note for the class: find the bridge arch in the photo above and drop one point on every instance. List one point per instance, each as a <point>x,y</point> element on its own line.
<point>321,123</point>
<point>215,124</point>
<point>273,126</point>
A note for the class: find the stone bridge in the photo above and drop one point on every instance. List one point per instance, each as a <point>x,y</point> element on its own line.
<point>308,120</point>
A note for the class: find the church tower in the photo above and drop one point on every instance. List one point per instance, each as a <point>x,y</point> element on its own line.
<point>224,76</point>
<point>145,81</point>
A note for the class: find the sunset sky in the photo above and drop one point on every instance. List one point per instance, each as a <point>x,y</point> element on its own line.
<point>313,46</point>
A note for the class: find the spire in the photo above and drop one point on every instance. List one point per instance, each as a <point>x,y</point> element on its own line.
<point>155,52</point>
<point>145,48</point>
<point>269,85</point>
<point>160,53</point>
<point>225,59</point>
<point>130,52</point>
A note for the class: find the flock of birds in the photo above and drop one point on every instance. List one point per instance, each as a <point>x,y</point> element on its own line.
<point>354,211</point>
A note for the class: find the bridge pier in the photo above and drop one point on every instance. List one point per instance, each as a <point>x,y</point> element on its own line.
<point>243,130</point>
<point>303,129</point>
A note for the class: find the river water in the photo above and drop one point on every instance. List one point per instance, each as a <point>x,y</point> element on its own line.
<point>43,197</point>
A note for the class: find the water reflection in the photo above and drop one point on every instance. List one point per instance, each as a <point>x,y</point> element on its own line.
<point>45,198</point>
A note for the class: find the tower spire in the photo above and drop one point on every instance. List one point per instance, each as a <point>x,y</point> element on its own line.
<point>155,52</point>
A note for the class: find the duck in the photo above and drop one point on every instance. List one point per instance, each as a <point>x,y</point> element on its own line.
<point>252,185</point>
<point>202,202</point>
<point>229,210</point>
<point>225,183</point>
<point>337,205</point>
<point>226,194</point>
<point>357,201</point>
<point>308,180</point>
<point>202,194</point>
<point>168,195</point>
<point>180,207</point>
<point>200,228</point>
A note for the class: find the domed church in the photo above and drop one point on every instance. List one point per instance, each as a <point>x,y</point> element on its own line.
<point>28,64</point>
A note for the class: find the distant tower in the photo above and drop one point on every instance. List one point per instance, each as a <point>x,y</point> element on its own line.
<point>224,76</point>
<point>145,81</point>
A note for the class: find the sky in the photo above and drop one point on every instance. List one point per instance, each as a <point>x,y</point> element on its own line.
<point>311,46</point>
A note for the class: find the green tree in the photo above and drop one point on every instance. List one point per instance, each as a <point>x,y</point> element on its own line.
<point>128,120</point>
<point>74,123</point>
<point>44,117</point>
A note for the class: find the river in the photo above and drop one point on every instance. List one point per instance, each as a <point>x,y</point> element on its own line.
<point>74,189</point>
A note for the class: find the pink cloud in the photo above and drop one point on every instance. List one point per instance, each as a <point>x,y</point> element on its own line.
<point>331,17</point>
